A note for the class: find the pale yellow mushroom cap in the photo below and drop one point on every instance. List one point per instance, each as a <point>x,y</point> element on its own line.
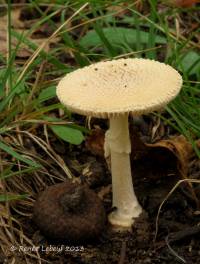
<point>123,86</point>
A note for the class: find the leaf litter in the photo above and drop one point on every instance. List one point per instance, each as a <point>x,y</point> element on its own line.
<point>37,37</point>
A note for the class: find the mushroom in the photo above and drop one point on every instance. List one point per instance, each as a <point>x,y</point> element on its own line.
<point>69,212</point>
<point>116,89</point>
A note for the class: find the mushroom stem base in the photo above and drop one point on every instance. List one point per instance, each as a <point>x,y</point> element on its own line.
<point>125,202</point>
<point>122,221</point>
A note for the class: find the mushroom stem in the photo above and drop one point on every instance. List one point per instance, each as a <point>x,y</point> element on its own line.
<point>118,146</point>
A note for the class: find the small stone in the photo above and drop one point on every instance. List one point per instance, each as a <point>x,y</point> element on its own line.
<point>147,260</point>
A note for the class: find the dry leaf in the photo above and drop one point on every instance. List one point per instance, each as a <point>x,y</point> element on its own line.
<point>165,157</point>
<point>180,148</point>
<point>186,3</point>
<point>95,142</point>
<point>183,3</point>
<point>16,24</point>
<point>21,28</point>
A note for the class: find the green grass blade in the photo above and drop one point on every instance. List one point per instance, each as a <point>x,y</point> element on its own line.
<point>16,173</point>
<point>11,197</point>
<point>16,155</point>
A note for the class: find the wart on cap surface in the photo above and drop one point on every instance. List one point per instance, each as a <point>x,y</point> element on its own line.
<point>115,89</point>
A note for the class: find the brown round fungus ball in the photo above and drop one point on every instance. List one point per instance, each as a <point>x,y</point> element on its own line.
<point>69,212</point>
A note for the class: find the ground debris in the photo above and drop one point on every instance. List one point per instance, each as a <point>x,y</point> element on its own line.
<point>190,231</point>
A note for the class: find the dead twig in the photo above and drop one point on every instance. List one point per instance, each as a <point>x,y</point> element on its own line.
<point>167,197</point>
<point>122,253</point>
<point>190,231</point>
<point>176,236</point>
<point>173,252</point>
